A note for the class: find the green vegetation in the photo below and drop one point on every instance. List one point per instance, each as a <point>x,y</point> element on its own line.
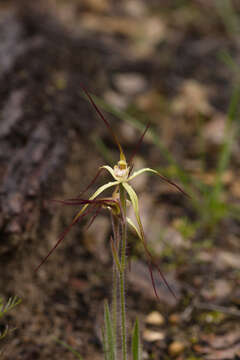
<point>11,303</point>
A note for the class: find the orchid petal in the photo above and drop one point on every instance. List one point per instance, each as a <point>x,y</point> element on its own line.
<point>130,222</point>
<point>110,170</point>
<point>134,201</point>
<point>139,172</point>
<point>164,178</point>
<point>97,192</point>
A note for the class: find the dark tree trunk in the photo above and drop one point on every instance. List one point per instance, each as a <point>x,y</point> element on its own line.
<point>42,112</point>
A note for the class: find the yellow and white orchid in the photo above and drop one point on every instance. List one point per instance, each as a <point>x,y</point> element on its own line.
<point>121,174</point>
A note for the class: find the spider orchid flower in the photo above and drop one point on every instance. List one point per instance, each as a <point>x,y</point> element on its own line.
<point>122,176</point>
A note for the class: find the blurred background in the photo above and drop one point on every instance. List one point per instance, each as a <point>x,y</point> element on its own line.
<point>172,63</point>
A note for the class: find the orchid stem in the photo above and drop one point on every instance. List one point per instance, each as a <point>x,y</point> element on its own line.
<point>115,227</point>
<point>122,273</point>
<point>114,306</point>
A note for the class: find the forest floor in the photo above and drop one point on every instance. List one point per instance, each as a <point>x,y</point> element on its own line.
<point>175,64</point>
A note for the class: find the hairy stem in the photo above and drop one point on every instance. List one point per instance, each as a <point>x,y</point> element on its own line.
<point>122,273</point>
<point>115,227</point>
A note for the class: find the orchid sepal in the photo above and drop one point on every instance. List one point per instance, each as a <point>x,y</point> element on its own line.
<point>164,178</point>
<point>110,170</point>
<point>97,192</point>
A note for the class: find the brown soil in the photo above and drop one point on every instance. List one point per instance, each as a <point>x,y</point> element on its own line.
<point>160,61</point>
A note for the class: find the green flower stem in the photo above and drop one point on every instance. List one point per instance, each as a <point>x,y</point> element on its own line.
<point>122,273</point>
<point>115,305</point>
<point>115,227</point>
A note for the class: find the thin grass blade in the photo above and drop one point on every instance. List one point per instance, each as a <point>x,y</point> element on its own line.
<point>109,332</point>
<point>68,347</point>
<point>136,345</point>
<point>104,342</point>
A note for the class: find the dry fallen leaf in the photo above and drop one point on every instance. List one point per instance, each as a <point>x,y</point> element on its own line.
<point>220,347</point>
<point>174,319</point>
<point>229,259</point>
<point>144,34</point>
<point>110,25</point>
<point>192,99</point>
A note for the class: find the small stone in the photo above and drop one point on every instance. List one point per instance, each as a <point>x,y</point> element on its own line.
<point>130,83</point>
<point>135,8</point>
<point>154,318</point>
<point>176,348</point>
<point>174,319</point>
<point>152,336</point>
<point>193,98</point>
<point>100,6</point>
<point>214,130</point>
<point>115,99</point>
<point>235,189</point>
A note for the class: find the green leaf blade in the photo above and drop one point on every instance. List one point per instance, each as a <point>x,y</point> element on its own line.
<point>136,345</point>
<point>68,347</point>
<point>110,351</point>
